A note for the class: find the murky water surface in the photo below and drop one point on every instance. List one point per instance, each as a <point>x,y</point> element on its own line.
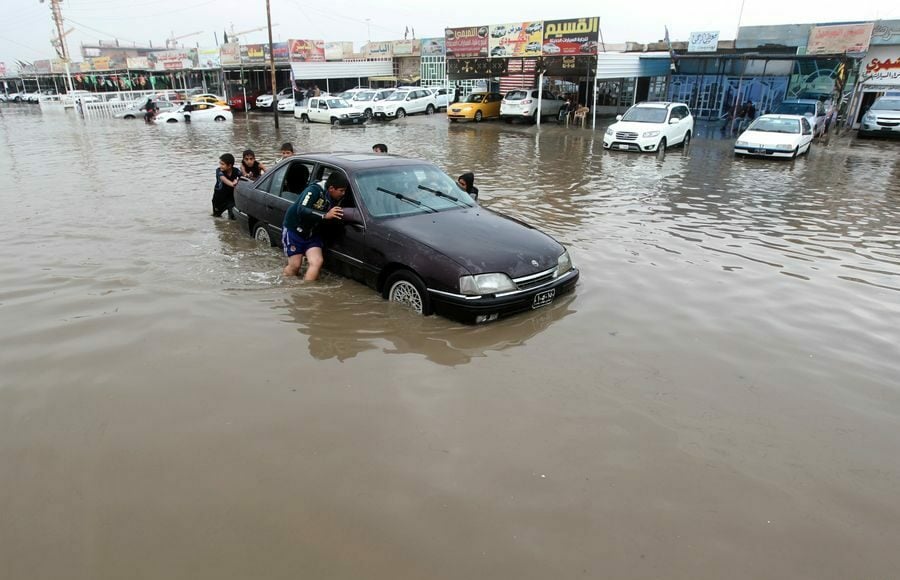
<point>718,399</point>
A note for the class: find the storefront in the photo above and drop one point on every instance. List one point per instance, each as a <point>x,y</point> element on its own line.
<point>879,70</point>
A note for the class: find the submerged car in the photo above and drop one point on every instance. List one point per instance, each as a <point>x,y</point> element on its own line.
<point>476,107</point>
<point>201,112</point>
<point>410,233</point>
<point>776,136</point>
<point>882,118</point>
<point>133,111</point>
<point>650,127</point>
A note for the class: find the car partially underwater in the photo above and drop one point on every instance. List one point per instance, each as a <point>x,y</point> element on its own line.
<point>411,234</point>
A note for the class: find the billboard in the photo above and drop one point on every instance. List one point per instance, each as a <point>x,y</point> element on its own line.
<point>703,42</point>
<point>886,32</point>
<point>571,37</point>
<point>307,50</point>
<point>281,51</point>
<point>839,39</point>
<point>882,66</point>
<point>254,53</point>
<point>42,66</point>
<point>516,39</point>
<point>469,42</point>
<point>379,49</point>
<point>407,47</point>
<point>2,69</point>
<point>230,54</point>
<point>209,57</point>
<point>335,51</point>
<point>163,60</point>
<point>433,47</point>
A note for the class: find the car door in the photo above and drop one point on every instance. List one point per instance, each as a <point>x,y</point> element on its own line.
<point>806,134</point>
<point>345,242</point>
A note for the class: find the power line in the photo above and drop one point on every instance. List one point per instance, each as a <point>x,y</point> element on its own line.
<point>108,35</point>
<point>36,50</point>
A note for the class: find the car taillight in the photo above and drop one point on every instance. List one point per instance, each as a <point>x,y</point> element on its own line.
<point>527,102</point>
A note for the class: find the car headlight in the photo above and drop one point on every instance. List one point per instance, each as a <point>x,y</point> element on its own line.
<point>563,263</point>
<point>784,147</point>
<point>467,108</point>
<point>609,131</point>
<point>869,117</point>
<point>485,284</point>
<point>740,143</point>
<point>344,116</point>
<point>651,133</point>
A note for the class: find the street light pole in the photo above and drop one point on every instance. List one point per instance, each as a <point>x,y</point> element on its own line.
<point>272,64</point>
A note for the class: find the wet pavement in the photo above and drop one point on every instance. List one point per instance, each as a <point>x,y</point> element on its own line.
<point>718,399</point>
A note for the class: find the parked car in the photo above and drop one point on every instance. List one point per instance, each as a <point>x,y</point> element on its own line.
<point>813,109</point>
<point>650,127</point>
<point>882,118</point>
<point>776,136</point>
<point>406,101</point>
<point>442,97</point>
<point>367,99</point>
<point>209,99</point>
<point>476,107</point>
<point>202,112</point>
<point>523,104</point>
<point>236,102</point>
<point>264,101</point>
<point>287,105</point>
<point>410,233</point>
<point>134,109</point>
<point>330,110</point>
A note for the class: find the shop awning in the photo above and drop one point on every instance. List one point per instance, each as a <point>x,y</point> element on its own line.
<point>308,71</point>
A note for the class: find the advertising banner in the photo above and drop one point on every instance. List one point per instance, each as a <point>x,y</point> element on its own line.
<point>839,39</point>
<point>101,63</point>
<point>307,50</point>
<point>469,42</point>
<point>886,32</point>
<point>2,69</point>
<point>57,65</point>
<point>138,63</point>
<point>881,66</point>
<point>476,68</point>
<point>379,49</point>
<point>164,60</point>
<point>254,53</point>
<point>281,51</point>
<point>703,42</point>
<point>571,37</point>
<point>433,47</point>
<point>407,47</point>
<point>230,54</point>
<point>209,57</point>
<point>517,39</point>
<point>42,66</point>
<point>334,51</point>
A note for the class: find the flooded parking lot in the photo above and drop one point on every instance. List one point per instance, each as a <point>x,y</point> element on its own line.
<point>718,399</point>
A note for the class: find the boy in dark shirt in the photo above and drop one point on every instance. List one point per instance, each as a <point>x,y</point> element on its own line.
<point>227,176</point>
<point>300,231</point>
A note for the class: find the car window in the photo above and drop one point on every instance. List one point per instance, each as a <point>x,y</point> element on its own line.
<point>645,115</point>
<point>323,105</point>
<point>322,172</point>
<point>676,113</point>
<point>516,95</point>
<point>406,180</point>
<point>313,103</point>
<point>272,182</point>
<point>684,112</point>
<point>807,130</point>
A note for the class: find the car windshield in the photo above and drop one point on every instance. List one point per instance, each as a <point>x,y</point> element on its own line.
<point>474,98</point>
<point>645,115</point>
<point>364,96</point>
<point>886,105</point>
<point>408,181</point>
<point>767,125</point>
<point>337,103</point>
<point>398,96</point>
<point>516,95</point>
<point>796,109</point>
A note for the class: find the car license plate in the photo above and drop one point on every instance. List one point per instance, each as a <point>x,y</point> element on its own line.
<point>622,146</point>
<point>887,128</point>
<point>543,298</point>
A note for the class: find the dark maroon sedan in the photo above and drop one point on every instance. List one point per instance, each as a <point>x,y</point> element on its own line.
<point>411,234</point>
<point>236,102</point>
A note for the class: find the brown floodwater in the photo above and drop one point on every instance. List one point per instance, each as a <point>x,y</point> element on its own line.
<point>719,398</point>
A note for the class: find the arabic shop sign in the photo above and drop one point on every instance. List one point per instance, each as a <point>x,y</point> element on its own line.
<point>571,37</point>
<point>307,50</point>
<point>209,57</point>
<point>254,53</point>
<point>433,47</point>
<point>469,42</point>
<point>230,54</point>
<point>517,39</point>
<point>886,32</point>
<point>839,39</point>
<point>703,41</point>
<point>882,66</point>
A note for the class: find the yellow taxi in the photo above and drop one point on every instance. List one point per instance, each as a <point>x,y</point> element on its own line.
<point>209,99</point>
<point>476,107</point>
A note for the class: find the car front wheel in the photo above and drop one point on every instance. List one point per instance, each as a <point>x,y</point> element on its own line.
<point>662,145</point>
<point>406,288</point>
<point>478,116</point>
<point>401,113</point>
<point>261,235</point>
<point>430,110</point>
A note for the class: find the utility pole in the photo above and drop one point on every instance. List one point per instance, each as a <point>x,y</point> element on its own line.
<point>61,38</point>
<point>271,64</point>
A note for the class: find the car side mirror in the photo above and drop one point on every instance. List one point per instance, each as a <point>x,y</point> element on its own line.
<point>352,217</point>
<point>618,117</point>
<point>674,121</point>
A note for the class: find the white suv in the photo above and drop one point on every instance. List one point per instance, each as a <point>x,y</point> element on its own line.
<point>406,101</point>
<point>522,104</point>
<point>265,101</point>
<point>650,127</point>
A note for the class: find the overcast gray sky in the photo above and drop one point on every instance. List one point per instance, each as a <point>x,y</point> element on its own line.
<point>26,25</point>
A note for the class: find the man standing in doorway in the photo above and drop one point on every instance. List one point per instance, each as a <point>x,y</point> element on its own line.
<point>300,231</point>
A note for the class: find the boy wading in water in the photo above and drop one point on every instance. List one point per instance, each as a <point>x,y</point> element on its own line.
<point>227,176</point>
<point>300,232</point>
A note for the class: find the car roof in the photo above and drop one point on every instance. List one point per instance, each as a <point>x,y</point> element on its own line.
<point>659,104</point>
<point>357,161</point>
<point>786,117</point>
<point>800,101</point>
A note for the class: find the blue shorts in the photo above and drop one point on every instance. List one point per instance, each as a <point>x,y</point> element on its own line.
<point>293,244</point>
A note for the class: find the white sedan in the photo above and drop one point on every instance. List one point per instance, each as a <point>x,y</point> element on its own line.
<point>201,112</point>
<point>776,136</point>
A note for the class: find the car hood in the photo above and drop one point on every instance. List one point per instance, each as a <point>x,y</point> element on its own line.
<point>639,128</point>
<point>769,138</point>
<point>481,241</point>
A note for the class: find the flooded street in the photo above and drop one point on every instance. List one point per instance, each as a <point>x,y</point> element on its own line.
<point>719,398</point>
